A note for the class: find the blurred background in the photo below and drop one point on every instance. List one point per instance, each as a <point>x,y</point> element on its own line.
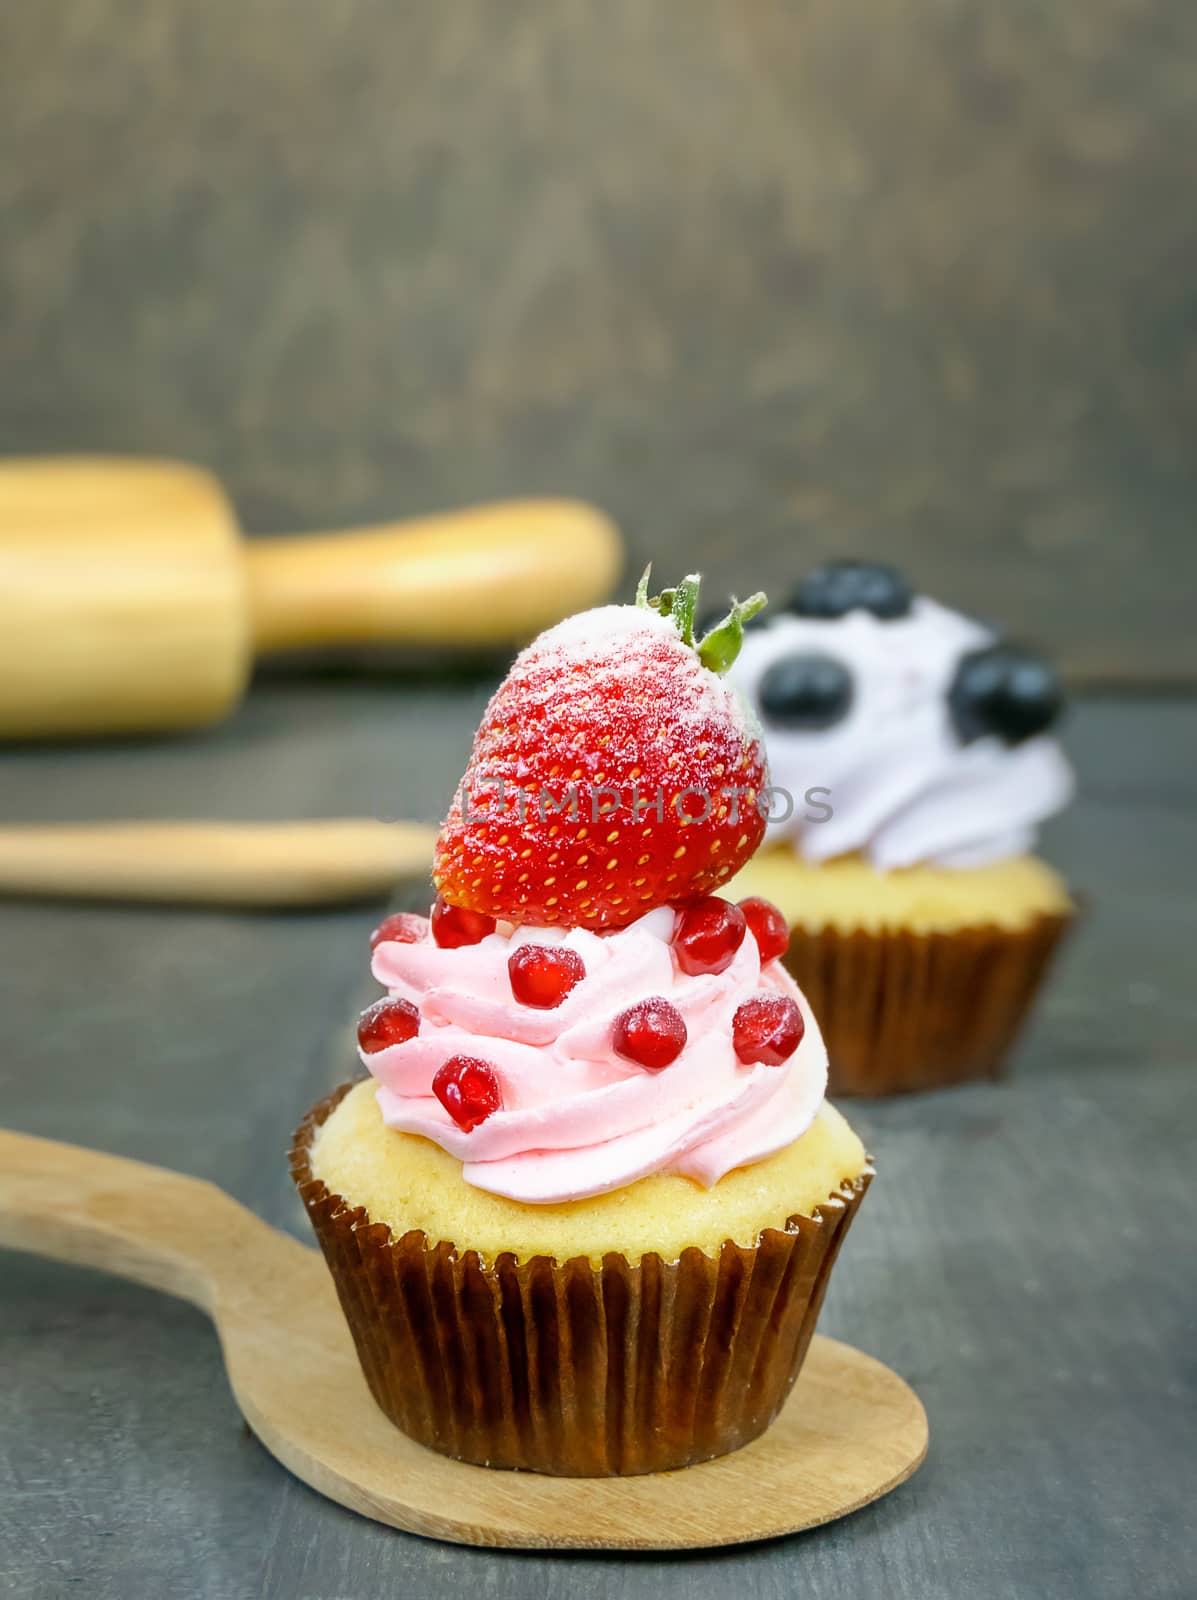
<point>765,279</point>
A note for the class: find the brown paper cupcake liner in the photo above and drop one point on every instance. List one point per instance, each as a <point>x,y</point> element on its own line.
<point>902,1011</point>
<point>568,1368</point>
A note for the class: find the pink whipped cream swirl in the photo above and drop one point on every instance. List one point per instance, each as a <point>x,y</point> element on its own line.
<point>577,1119</point>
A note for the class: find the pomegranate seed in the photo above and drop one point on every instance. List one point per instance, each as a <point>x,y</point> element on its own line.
<point>707,935</point>
<point>468,1089</point>
<point>542,975</point>
<point>651,1033</point>
<point>387,1022</point>
<point>767,1028</point>
<point>403,927</point>
<point>453,926</point>
<point>767,926</point>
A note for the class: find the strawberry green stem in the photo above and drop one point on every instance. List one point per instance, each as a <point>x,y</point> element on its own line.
<point>718,648</point>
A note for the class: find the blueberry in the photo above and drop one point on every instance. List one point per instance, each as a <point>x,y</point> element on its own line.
<point>837,587</point>
<point>1004,690</point>
<point>805,692</point>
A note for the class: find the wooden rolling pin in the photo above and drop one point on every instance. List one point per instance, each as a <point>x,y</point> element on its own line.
<point>129,603</point>
<point>216,863</point>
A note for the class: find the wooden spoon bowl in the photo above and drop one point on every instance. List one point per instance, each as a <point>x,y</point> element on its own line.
<point>851,1431</point>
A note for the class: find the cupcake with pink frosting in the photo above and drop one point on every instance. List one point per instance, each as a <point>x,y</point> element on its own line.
<point>582,1210</point>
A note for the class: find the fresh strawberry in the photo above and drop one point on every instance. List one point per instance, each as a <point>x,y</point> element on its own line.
<point>614,771</point>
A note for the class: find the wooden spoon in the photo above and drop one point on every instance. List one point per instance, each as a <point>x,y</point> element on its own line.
<point>850,1432</point>
<point>216,863</point>
<point>129,602</point>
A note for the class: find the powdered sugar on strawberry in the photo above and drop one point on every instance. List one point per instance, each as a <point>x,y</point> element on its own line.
<point>694,698</point>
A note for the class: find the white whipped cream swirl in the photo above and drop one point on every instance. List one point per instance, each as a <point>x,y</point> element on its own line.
<point>902,786</point>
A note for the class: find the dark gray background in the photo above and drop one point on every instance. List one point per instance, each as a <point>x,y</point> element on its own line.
<point>766,278</point>
<point>1025,1258</point>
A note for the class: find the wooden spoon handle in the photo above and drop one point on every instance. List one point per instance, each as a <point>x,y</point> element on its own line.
<point>156,1227</point>
<point>216,863</point>
<point>489,575</point>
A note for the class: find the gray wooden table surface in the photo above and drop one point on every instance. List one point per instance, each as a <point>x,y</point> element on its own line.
<point>1026,1258</point>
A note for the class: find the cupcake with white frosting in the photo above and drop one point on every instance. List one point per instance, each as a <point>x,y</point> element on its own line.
<point>582,1212</point>
<point>912,764</point>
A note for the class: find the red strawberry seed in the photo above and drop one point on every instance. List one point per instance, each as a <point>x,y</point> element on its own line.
<point>387,1022</point>
<point>768,927</point>
<point>650,1033</point>
<point>707,935</point>
<point>767,1028</point>
<point>542,975</point>
<point>453,926</point>
<point>468,1089</point>
<point>402,927</point>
